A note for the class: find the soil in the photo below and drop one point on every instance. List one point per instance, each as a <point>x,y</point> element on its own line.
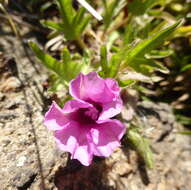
<point>30,160</point>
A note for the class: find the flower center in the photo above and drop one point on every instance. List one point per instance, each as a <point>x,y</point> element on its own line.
<point>86,116</point>
<point>92,113</point>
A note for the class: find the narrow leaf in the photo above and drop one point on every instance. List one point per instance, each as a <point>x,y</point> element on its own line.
<point>104,61</point>
<point>159,54</point>
<point>142,146</point>
<point>183,119</point>
<point>114,65</point>
<point>66,71</point>
<point>186,67</point>
<point>80,22</point>
<point>52,25</point>
<point>67,13</point>
<point>125,83</point>
<point>47,60</point>
<point>66,10</point>
<point>66,56</point>
<point>185,132</point>
<point>146,66</point>
<point>110,13</point>
<point>146,46</point>
<point>78,17</point>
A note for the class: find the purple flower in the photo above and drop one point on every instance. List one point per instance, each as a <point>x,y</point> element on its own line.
<point>83,127</point>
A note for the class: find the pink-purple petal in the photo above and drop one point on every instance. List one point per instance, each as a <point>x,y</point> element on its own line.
<point>74,139</point>
<point>74,105</point>
<point>112,85</point>
<point>91,88</point>
<point>111,109</point>
<point>85,86</point>
<point>55,118</point>
<point>106,137</point>
<point>82,154</point>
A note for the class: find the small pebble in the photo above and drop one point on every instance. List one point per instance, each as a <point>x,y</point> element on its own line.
<point>21,161</point>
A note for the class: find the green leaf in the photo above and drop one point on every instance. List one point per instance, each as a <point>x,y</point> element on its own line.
<point>129,33</point>
<point>159,54</point>
<point>56,83</point>
<point>142,146</point>
<point>80,22</point>
<point>114,65</point>
<point>110,12</point>
<point>182,31</point>
<point>47,60</point>
<point>104,3</point>
<point>124,83</point>
<point>78,17</point>
<point>66,71</point>
<point>72,69</point>
<point>67,13</point>
<point>151,3</point>
<point>66,57</point>
<point>184,132</point>
<point>139,7</point>
<point>146,66</point>
<point>136,7</point>
<point>153,42</point>
<point>81,26</point>
<point>52,25</point>
<point>45,6</point>
<point>104,61</point>
<point>73,23</point>
<point>66,10</point>
<point>186,67</point>
<point>183,119</point>
<point>111,39</point>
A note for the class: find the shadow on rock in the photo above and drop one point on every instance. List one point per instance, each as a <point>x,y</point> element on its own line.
<point>77,177</point>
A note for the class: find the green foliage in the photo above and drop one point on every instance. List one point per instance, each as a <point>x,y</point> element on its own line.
<point>185,132</point>
<point>159,54</point>
<point>141,145</point>
<point>186,67</point>
<point>73,22</point>
<point>183,119</point>
<point>104,61</point>
<point>111,67</point>
<point>112,9</point>
<point>139,57</point>
<point>149,44</point>
<point>139,7</point>
<point>66,70</point>
<point>114,66</point>
<point>109,11</point>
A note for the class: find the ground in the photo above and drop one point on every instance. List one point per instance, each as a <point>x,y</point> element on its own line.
<point>29,158</point>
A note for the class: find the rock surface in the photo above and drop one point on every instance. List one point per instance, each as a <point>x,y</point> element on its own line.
<point>30,160</point>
